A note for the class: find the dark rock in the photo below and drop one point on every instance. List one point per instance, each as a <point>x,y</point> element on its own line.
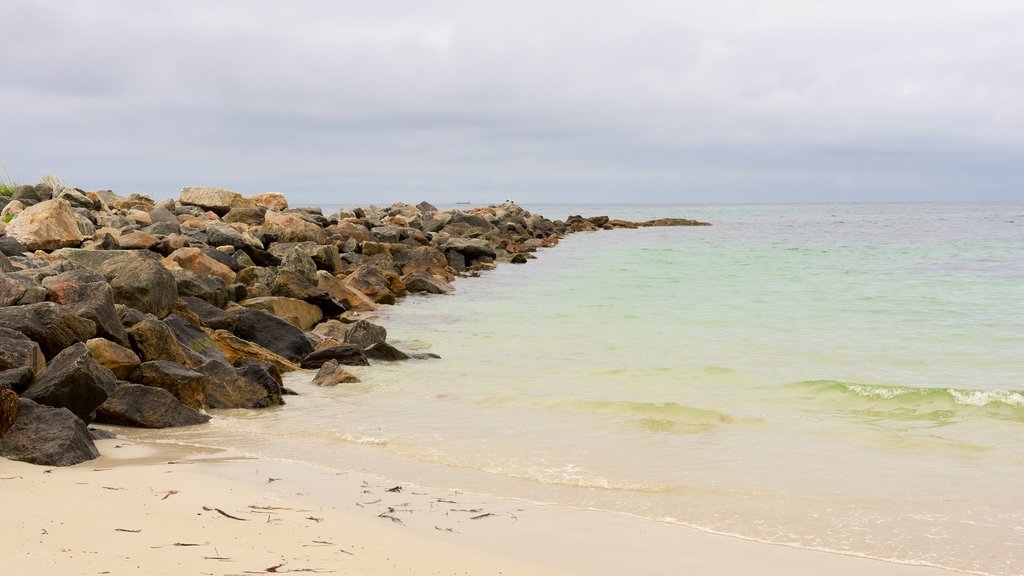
<point>346,354</point>
<point>248,215</point>
<point>331,374</point>
<point>258,376</point>
<point>10,246</point>
<point>9,406</point>
<point>147,407</point>
<point>425,282</point>
<point>47,436</point>
<point>385,351</point>
<point>19,351</point>
<point>5,264</point>
<point>17,379</point>
<point>227,388</point>
<point>364,334</point>
<point>153,340</point>
<point>73,380</point>
<point>129,316</point>
<point>185,384</point>
<point>193,338</point>
<point>88,295</point>
<point>273,334</point>
<point>426,207</point>
<point>246,361</point>
<point>19,289</point>
<point>197,285</point>
<point>471,248</point>
<point>30,195</point>
<point>53,326</point>
<point>211,315</point>
<point>142,283</point>
<point>99,434</point>
<point>518,259</point>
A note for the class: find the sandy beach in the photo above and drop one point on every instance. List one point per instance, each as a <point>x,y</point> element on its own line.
<point>156,509</point>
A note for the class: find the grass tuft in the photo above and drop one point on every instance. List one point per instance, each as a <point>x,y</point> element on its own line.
<point>7,184</point>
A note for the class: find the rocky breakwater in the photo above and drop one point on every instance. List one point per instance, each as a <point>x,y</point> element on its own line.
<point>127,311</point>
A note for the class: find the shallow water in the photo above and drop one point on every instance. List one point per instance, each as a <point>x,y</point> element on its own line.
<point>840,377</point>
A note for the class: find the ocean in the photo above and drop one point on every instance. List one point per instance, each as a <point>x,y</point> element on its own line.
<point>841,377</point>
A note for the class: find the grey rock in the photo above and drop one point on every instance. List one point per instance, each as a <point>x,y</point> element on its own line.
<point>51,325</point>
<point>47,436</point>
<point>73,380</point>
<point>147,407</point>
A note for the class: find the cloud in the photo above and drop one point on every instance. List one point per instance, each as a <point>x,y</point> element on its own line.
<point>571,100</point>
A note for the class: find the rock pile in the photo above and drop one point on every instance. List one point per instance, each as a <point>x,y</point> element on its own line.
<point>128,311</point>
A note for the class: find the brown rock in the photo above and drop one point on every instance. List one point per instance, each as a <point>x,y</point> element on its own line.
<point>331,374</point>
<point>235,348</point>
<point>339,289</point>
<point>271,201</point>
<point>298,313</point>
<point>185,384</point>
<point>154,340</point>
<point>114,357</point>
<point>290,227</point>
<point>8,410</point>
<point>18,350</point>
<point>195,260</point>
<point>48,225</point>
<point>144,406</point>
<point>216,200</point>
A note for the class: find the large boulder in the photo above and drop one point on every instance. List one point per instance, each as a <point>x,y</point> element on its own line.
<point>47,436</point>
<point>337,288</point>
<point>345,354</point>
<point>203,286</point>
<point>373,283</point>
<point>271,201</point>
<point>427,283</point>
<point>424,259</point>
<point>17,379</point>
<point>142,283</point>
<point>216,200</point>
<point>298,313</point>
<point>18,351</point>
<point>185,384</point>
<point>236,350</point>
<point>153,340</point>
<point>18,289</point>
<point>48,225</point>
<point>364,334</point>
<point>114,357</point>
<point>193,338</point>
<point>471,249</point>
<point>210,315</point>
<point>87,294</point>
<point>385,351</point>
<point>73,380</point>
<point>147,407</point>
<point>51,325</point>
<point>290,227</point>
<point>197,261</point>
<point>273,333</point>
<point>248,387</point>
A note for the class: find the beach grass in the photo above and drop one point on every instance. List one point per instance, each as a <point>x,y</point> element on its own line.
<point>7,184</point>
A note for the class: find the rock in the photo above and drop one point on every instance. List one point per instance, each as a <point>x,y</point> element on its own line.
<point>153,340</point>
<point>296,312</point>
<point>195,260</point>
<point>424,282</point>
<point>250,216</point>
<point>147,407</point>
<point>347,354</point>
<point>17,379</point>
<point>210,315</point>
<point>272,333</point>
<point>290,227</point>
<point>270,368</point>
<point>470,248</point>
<point>5,262</point>
<point>426,207</point>
<point>331,329</point>
<point>216,200</point>
<point>670,222</point>
<point>141,283</point>
<point>331,374</point>
<point>9,406</point>
<point>51,325</point>
<point>424,259</point>
<point>121,361</point>
<point>73,380</point>
<point>193,338</point>
<point>348,294</point>
<point>363,334</point>
<point>271,201</point>
<point>137,241</point>
<point>248,387</point>
<point>19,351</point>
<point>48,225</point>
<point>185,384</point>
<point>236,349</point>
<point>209,288</point>
<point>47,436</point>
<point>11,247</point>
<point>87,294</point>
<point>20,288</point>
<point>385,351</point>
<point>371,282</point>
<point>31,195</point>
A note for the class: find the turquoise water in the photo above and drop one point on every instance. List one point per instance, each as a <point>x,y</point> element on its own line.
<point>837,377</point>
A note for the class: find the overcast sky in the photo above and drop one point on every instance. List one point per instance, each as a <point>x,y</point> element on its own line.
<point>540,101</point>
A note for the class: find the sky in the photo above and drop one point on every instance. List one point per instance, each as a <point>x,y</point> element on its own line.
<point>539,101</point>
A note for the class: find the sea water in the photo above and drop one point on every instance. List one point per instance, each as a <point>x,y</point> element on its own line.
<point>836,377</point>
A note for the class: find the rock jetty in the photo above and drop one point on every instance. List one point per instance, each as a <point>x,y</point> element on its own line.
<point>129,311</point>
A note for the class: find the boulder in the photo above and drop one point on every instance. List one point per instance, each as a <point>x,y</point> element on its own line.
<point>248,387</point>
<point>185,384</point>
<point>385,351</point>
<point>51,325</point>
<point>424,259</point>
<point>272,333</point>
<point>73,380</point>
<point>332,329</point>
<point>470,248</point>
<point>193,338</point>
<point>337,288</point>
<point>153,340</point>
<point>209,314</point>
<point>197,285</point>
<point>48,225</point>
<point>270,368</point>
<point>216,200</point>
<point>250,216</point>
<point>236,350</point>
<point>271,201</point>
<point>9,406</point>
<point>11,247</point>
<point>291,227</point>
<point>87,294</point>
<point>363,334</point>
<point>19,351</point>
<point>331,374</point>
<point>298,313</point>
<point>141,283</point>
<point>425,282</point>
<point>47,436</point>
<point>121,361</point>
<point>195,260</point>
<point>17,379</point>
<point>147,407</point>
<point>346,354</point>
<point>18,289</point>
<point>137,241</point>
<point>373,283</point>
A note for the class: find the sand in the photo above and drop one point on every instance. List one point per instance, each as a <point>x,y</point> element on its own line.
<point>158,509</point>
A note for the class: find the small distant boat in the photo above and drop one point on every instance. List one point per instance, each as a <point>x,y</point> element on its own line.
<point>463,203</point>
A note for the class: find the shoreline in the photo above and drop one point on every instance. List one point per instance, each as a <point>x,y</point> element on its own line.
<point>174,507</point>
